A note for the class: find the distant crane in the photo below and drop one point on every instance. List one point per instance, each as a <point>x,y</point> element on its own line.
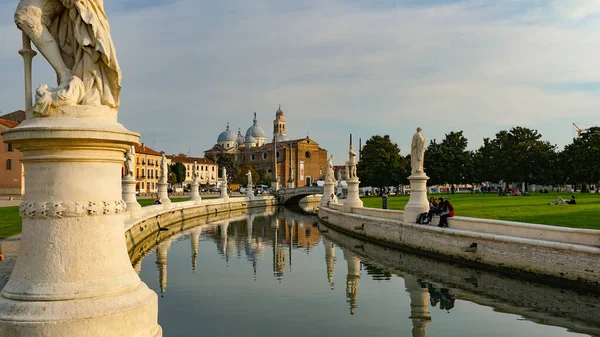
<point>579,131</point>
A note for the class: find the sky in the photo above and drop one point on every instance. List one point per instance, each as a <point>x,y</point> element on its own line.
<point>341,67</point>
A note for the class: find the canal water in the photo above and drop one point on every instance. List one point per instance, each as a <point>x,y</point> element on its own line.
<point>278,272</point>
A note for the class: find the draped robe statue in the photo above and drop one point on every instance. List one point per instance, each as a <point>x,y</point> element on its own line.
<point>129,155</point>
<point>417,152</point>
<point>74,37</point>
<point>195,173</point>
<point>164,170</point>
<point>330,176</point>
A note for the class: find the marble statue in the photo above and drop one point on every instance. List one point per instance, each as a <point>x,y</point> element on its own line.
<point>224,175</point>
<point>164,171</point>
<point>417,152</point>
<point>195,173</point>
<point>129,155</point>
<point>330,176</point>
<point>249,175</point>
<point>351,162</point>
<point>339,176</point>
<point>74,37</point>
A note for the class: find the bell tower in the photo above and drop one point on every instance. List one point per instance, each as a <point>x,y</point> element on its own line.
<point>279,123</point>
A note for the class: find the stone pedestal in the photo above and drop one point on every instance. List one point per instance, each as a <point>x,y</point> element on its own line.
<point>328,190</point>
<point>275,185</point>
<point>339,190</point>
<point>353,198</point>
<point>163,192</point>
<point>224,194</point>
<point>73,276</point>
<point>417,203</point>
<point>195,194</point>
<point>128,186</point>
<point>250,192</point>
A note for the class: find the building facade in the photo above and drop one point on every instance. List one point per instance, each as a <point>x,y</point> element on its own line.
<point>147,169</point>
<point>207,169</point>
<point>12,175</point>
<point>293,162</point>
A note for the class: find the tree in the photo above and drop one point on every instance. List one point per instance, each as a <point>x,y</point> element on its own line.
<point>579,160</point>
<point>449,161</point>
<point>243,179</point>
<point>230,162</point>
<point>179,170</point>
<point>381,163</point>
<point>264,177</point>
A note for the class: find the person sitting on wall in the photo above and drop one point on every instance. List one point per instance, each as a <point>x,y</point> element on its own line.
<point>447,212</point>
<point>572,201</point>
<point>157,200</point>
<point>434,209</point>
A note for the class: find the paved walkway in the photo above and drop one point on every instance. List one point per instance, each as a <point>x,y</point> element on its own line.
<point>9,248</point>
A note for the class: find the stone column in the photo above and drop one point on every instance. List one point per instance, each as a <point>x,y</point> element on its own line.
<point>162,249</point>
<point>133,206</point>
<point>195,193</point>
<point>353,198</point>
<point>329,260</point>
<point>419,305</point>
<point>73,276</point>
<point>328,190</point>
<point>163,192</point>
<point>352,279</point>
<point>417,202</point>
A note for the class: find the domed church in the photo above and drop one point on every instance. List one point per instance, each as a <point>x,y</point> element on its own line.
<point>300,162</point>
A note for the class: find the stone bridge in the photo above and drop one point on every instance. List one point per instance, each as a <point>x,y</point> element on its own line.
<point>293,195</point>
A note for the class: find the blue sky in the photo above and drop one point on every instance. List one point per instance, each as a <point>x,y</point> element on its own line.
<point>340,67</point>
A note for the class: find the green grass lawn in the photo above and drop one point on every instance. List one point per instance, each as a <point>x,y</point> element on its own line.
<point>530,209</point>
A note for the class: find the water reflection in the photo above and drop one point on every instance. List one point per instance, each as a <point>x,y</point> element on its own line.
<point>241,242</point>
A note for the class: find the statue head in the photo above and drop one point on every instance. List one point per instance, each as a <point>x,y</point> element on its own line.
<point>419,129</point>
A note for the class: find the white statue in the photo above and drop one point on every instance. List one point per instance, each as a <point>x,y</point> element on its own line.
<point>417,152</point>
<point>164,171</point>
<point>351,162</point>
<point>195,173</point>
<point>224,173</point>
<point>330,176</point>
<point>339,176</point>
<point>249,175</point>
<point>74,37</point>
<point>129,155</point>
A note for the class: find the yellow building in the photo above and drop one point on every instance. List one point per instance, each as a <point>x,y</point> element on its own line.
<point>208,170</point>
<point>12,175</point>
<point>147,169</point>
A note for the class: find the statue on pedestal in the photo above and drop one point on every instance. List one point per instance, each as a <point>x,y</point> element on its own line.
<point>330,176</point>
<point>249,175</point>
<point>339,176</point>
<point>129,155</point>
<point>351,163</point>
<point>74,37</point>
<point>195,173</point>
<point>417,152</point>
<point>164,171</point>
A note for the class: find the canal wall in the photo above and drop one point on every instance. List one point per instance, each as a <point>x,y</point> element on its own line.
<point>158,220</point>
<point>534,301</point>
<point>554,254</point>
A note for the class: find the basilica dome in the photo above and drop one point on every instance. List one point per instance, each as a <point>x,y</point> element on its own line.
<point>227,136</point>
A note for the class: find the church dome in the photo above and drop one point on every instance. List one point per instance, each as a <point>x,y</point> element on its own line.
<point>250,139</point>
<point>255,130</point>
<point>227,136</point>
<point>279,111</point>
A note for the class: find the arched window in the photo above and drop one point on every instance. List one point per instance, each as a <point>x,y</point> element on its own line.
<point>264,156</point>
<point>252,156</point>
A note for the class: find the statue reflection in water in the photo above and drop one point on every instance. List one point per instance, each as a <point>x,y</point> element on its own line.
<point>352,279</point>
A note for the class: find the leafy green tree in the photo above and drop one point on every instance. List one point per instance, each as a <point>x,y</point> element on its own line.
<point>381,164</point>
<point>449,161</point>
<point>179,170</point>
<point>264,177</point>
<point>230,162</point>
<point>580,159</point>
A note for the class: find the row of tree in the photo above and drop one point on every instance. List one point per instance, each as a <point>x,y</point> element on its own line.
<point>518,155</point>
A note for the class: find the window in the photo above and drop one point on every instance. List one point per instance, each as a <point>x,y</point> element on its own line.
<point>264,156</point>
<point>252,157</point>
<point>307,154</point>
<point>152,185</point>
<point>10,148</point>
<point>9,164</point>
<point>277,154</point>
<point>142,185</point>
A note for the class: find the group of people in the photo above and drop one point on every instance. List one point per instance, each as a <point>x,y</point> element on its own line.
<point>441,207</point>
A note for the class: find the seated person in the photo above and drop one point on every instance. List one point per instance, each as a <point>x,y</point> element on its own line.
<point>157,201</point>
<point>572,201</point>
<point>447,212</point>
<point>434,209</point>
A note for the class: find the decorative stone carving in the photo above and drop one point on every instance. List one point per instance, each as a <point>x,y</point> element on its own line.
<point>417,152</point>
<point>74,37</point>
<point>129,155</point>
<point>65,209</point>
<point>351,163</point>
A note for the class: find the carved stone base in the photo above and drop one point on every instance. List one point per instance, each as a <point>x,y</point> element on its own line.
<point>224,196</point>
<point>73,276</point>
<point>417,203</point>
<point>353,198</point>
<point>128,185</point>
<point>195,195</point>
<point>328,190</point>
<point>163,193</point>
